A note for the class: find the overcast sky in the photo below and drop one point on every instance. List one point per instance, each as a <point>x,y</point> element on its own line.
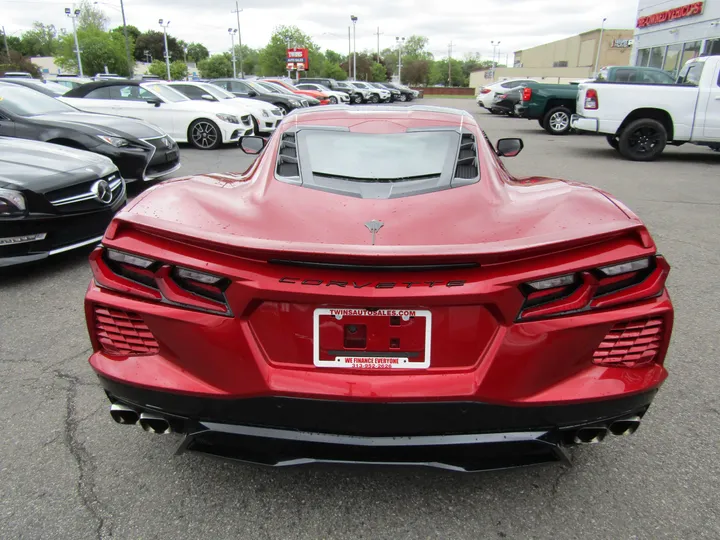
<point>469,24</point>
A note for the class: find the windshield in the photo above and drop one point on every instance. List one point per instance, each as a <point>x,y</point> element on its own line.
<point>257,87</point>
<point>281,89</point>
<point>166,93</point>
<point>26,102</point>
<point>690,74</point>
<point>359,85</point>
<point>216,91</point>
<point>377,157</point>
<point>49,85</point>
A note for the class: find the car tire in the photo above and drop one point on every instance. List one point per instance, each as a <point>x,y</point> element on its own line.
<point>357,99</point>
<point>493,110</point>
<point>374,98</point>
<point>282,106</point>
<point>204,134</point>
<point>333,100</point>
<point>256,126</point>
<point>403,98</point>
<point>714,147</point>
<point>557,121</point>
<point>642,140</point>
<point>612,141</point>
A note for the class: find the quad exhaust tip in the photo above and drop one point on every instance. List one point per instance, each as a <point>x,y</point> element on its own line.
<point>123,414</point>
<point>590,435</point>
<point>627,426</point>
<point>154,423</point>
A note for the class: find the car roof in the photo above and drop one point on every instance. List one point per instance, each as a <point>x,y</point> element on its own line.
<point>438,115</point>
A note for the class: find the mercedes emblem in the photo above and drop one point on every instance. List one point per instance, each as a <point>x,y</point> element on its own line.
<point>102,192</point>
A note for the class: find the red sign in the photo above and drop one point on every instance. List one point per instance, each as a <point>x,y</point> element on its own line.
<point>689,10</point>
<point>298,58</point>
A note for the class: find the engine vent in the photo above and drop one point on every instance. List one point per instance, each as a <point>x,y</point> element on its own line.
<point>631,344</point>
<point>467,162</point>
<point>287,163</point>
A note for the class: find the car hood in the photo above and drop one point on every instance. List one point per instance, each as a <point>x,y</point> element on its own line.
<point>39,166</point>
<point>100,124</point>
<point>228,212</point>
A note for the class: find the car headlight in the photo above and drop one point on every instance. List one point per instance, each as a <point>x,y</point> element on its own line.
<point>229,118</point>
<point>12,203</point>
<point>294,103</point>
<point>265,113</point>
<point>118,142</point>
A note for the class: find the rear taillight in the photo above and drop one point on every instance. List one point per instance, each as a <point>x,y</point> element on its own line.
<point>631,344</point>
<point>594,288</point>
<point>504,96</point>
<point>526,94</point>
<point>485,91</point>
<point>591,99</point>
<point>155,280</point>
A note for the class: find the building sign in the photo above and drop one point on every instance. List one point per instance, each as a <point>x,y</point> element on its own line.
<point>621,43</point>
<point>689,10</point>
<point>297,58</point>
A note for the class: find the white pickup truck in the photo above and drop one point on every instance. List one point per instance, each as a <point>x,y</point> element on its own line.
<point>640,120</point>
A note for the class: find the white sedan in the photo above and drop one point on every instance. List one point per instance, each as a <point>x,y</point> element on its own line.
<point>335,97</point>
<point>205,125</point>
<point>266,117</point>
<point>486,94</point>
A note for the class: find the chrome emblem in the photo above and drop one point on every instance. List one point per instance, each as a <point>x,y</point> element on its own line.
<point>102,192</point>
<point>166,142</point>
<point>374,226</point>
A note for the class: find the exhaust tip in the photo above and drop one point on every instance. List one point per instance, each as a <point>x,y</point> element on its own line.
<point>154,424</point>
<point>123,414</point>
<point>590,435</point>
<point>627,426</point>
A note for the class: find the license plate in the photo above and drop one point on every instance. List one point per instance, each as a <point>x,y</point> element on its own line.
<point>372,339</point>
<point>171,156</point>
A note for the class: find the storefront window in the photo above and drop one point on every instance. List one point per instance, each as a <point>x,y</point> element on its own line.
<point>672,57</point>
<point>690,51</point>
<point>712,47</point>
<point>657,55</point>
<point>642,57</point>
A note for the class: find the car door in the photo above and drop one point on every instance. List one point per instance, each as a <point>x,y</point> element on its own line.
<point>239,88</point>
<point>712,112</point>
<point>7,126</point>
<point>132,101</point>
<point>98,100</point>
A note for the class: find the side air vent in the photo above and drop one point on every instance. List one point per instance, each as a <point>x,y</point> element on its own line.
<point>287,163</point>
<point>467,163</point>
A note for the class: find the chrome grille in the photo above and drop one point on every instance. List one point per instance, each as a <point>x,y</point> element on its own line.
<point>84,191</point>
<point>304,102</point>
<point>246,120</point>
<point>160,142</point>
<point>277,112</point>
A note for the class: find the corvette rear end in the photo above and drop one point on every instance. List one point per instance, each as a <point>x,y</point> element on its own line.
<point>428,311</point>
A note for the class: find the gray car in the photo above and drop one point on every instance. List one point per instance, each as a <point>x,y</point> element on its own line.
<point>53,199</point>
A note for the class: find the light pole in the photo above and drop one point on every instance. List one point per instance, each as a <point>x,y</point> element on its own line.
<point>495,47</point>
<point>400,41</point>
<point>354,19</point>
<point>7,49</point>
<point>74,15</point>
<point>288,47</point>
<point>237,12</point>
<point>167,53</point>
<point>597,57</point>
<point>232,33</point>
<point>131,65</point>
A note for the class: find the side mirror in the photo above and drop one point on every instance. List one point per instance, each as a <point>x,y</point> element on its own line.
<point>252,144</point>
<point>252,93</point>
<point>509,147</point>
<point>154,101</point>
<point>208,97</point>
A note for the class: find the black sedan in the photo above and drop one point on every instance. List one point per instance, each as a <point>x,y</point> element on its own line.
<point>53,199</point>
<point>505,103</point>
<point>140,151</point>
<point>251,89</point>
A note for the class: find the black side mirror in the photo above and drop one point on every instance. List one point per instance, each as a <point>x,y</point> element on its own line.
<point>509,147</point>
<point>154,101</point>
<point>252,144</point>
<point>252,93</point>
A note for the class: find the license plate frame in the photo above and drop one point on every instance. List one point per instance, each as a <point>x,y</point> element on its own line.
<point>368,361</point>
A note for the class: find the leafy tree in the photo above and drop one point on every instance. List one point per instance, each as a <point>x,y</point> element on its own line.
<point>378,73</point>
<point>197,52</point>
<point>17,62</point>
<point>215,67</point>
<point>439,73</point>
<point>158,68</point>
<point>273,58</point>
<point>42,40</point>
<point>99,49</point>
<point>14,44</point>
<point>334,71</point>
<point>364,66</point>
<point>91,17</point>
<point>416,72</point>
<point>250,58</point>
<point>154,42</point>
<point>133,32</point>
<point>178,70</point>
<point>334,58</point>
<point>414,48</point>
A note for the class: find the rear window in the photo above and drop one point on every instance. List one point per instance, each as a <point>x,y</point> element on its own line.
<point>690,74</point>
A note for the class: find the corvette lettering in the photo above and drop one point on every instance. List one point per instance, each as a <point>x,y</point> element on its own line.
<point>371,285</point>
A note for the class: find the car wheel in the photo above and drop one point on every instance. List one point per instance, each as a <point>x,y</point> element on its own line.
<point>282,106</point>
<point>403,97</point>
<point>643,140</point>
<point>714,147</point>
<point>557,121</point>
<point>256,126</point>
<point>374,98</point>
<point>612,141</point>
<point>357,99</point>
<point>493,110</point>
<point>333,100</point>
<point>204,134</point>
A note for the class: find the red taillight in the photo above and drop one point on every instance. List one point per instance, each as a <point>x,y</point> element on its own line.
<point>595,288</point>
<point>526,94</point>
<point>631,344</point>
<point>154,280</point>
<point>485,91</point>
<point>123,333</point>
<point>591,99</point>
<point>504,96</point>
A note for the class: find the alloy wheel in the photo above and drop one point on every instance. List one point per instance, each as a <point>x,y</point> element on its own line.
<point>559,121</point>
<point>204,135</point>
<point>644,140</point>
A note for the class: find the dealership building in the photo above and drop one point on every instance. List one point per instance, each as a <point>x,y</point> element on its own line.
<point>669,33</point>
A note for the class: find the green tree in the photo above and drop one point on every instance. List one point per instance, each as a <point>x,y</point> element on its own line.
<point>215,67</point>
<point>133,32</point>
<point>273,58</point>
<point>416,72</point>
<point>250,58</point>
<point>91,17</point>
<point>334,71</point>
<point>197,52</point>
<point>17,62</point>
<point>178,70</point>
<point>99,50</point>
<point>334,58</point>
<point>378,73</point>
<point>154,42</point>
<point>415,48</point>
<point>158,68</point>
<point>439,73</point>
<point>42,40</point>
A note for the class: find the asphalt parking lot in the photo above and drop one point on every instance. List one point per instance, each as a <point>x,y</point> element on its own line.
<point>68,471</point>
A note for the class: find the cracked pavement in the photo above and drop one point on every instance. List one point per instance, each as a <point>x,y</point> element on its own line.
<point>67,471</point>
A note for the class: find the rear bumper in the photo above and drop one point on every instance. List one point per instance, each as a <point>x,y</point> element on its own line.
<point>581,123</point>
<point>465,436</point>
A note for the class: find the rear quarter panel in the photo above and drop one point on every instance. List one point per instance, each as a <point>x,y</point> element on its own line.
<point>545,96</point>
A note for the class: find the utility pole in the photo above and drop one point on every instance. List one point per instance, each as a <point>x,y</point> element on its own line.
<point>131,65</point>
<point>349,53</point>
<point>354,19</point>
<point>597,57</point>
<point>74,15</point>
<point>237,12</point>
<point>450,65</point>
<point>495,47</point>
<point>288,46</point>
<point>400,42</point>
<point>7,49</point>
<point>167,53</point>
<point>378,45</point>
<point>232,32</point>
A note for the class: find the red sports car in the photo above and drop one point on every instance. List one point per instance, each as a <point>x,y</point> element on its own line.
<point>377,288</point>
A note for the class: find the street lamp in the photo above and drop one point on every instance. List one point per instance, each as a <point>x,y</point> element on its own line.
<point>399,41</point>
<point>597,57</point>
<point>354,19</point>
<point>74,14</point>
<point>167,53</point>
<point>495,47</point>
<point>232,33</point>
